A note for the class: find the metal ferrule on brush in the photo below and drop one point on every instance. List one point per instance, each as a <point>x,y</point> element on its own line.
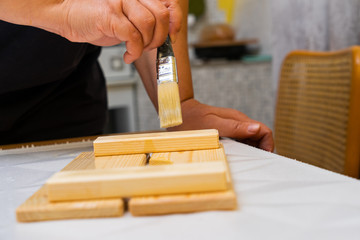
<point>166,69</point>
<point>166,63</point>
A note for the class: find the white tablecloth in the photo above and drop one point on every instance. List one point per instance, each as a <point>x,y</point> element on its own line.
<point>278,198</point>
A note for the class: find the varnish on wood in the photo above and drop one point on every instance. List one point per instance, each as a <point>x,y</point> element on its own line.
<point>185,203</point>
<point>156,142</point>
<point>39,208</point>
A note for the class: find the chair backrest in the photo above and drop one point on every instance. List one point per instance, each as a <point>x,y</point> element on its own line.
<point>317,118</point>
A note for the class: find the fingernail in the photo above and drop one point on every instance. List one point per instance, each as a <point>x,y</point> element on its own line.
<point>173,38</point>
<point>253,128</point>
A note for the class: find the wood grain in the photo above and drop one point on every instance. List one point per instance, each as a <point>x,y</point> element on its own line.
<point>137,181</point>
<point>120,161</point>
<point>38,207</point>
<point>208,155</point>
<point>185,203</point>
<point>156,142</point>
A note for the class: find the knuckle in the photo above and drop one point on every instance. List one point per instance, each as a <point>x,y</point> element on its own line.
<point>134,35</point>
<point>237,126</point>
<point>148,22</point>
<point>164,14</point>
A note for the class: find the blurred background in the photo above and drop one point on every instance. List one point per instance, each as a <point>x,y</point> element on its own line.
<point>236,49</point>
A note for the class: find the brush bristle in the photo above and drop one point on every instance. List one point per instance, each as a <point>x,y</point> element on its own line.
<point>169,105</point>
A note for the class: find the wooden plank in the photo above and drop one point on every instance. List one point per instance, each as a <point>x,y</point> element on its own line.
<point>156,142</point>
<point>208,155</point>
<point>120,161</point>
<point>84,160</point>
<point>137,181</point>
<point>38,207</point>
<point>185,203</point>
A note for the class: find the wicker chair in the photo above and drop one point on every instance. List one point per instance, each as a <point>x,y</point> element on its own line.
<point>318,109</point>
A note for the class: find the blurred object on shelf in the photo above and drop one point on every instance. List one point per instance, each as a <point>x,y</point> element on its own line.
<point>217,32</point>
<point>256,58</point>
<point>253,48</point>
<point>226,49</point>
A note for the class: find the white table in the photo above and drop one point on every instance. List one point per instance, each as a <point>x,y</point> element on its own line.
<point>278,198</point>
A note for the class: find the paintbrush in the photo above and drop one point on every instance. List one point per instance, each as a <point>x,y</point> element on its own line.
<point>168,90</point>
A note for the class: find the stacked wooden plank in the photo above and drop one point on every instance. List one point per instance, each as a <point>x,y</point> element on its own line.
<point>187,172</point>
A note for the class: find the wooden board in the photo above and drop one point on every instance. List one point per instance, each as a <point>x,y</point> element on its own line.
<point>137,181</point>
<point>208,155</point>
<point>38,207</point>
<point>185,203</point>
<point>156,142</point>
<point>120,161</point>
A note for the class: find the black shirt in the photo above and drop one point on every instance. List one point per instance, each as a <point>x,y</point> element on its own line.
<point>50,88</point>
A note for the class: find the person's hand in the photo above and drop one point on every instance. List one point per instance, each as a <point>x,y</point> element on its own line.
<point>230,123</point>
<point>142,24</point>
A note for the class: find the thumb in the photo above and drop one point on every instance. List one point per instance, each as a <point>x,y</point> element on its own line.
<point>236,129</point>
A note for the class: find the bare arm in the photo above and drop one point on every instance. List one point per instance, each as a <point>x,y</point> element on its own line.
<point>146,64</point>
<point>142,24</point>
<point>229,122</point>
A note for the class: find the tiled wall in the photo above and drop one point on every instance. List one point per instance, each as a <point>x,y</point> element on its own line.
<point>245,87</point>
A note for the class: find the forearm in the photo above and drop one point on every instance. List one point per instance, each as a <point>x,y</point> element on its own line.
<point>45,14</point>
<point>146,64</point>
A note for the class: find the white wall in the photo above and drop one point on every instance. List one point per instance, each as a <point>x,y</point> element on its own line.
<point>320,25</point>
<point>252,19</point>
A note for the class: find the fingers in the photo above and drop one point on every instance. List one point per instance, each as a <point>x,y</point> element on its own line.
<point>142,18</point>
<point>267,140</point>
<point>161,27</point>
<point>235,124</point>
<point>124,30</point>
<point>254,133</point>
<point>176,16</point>
<point>139,23</point>
<point>168,17</point>
<point>262,138</point>
<point>145,25</point>
<point>229,122</point>
<point>233,128</point>
<point>151,21</point>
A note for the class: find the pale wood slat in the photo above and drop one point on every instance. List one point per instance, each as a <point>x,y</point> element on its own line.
<point>136,181</point>
<point>156,142</point>
<point>184,203</point>
<point>38,207</point>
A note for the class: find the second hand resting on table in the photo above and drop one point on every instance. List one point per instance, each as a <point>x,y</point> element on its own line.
<point>143,25</point>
